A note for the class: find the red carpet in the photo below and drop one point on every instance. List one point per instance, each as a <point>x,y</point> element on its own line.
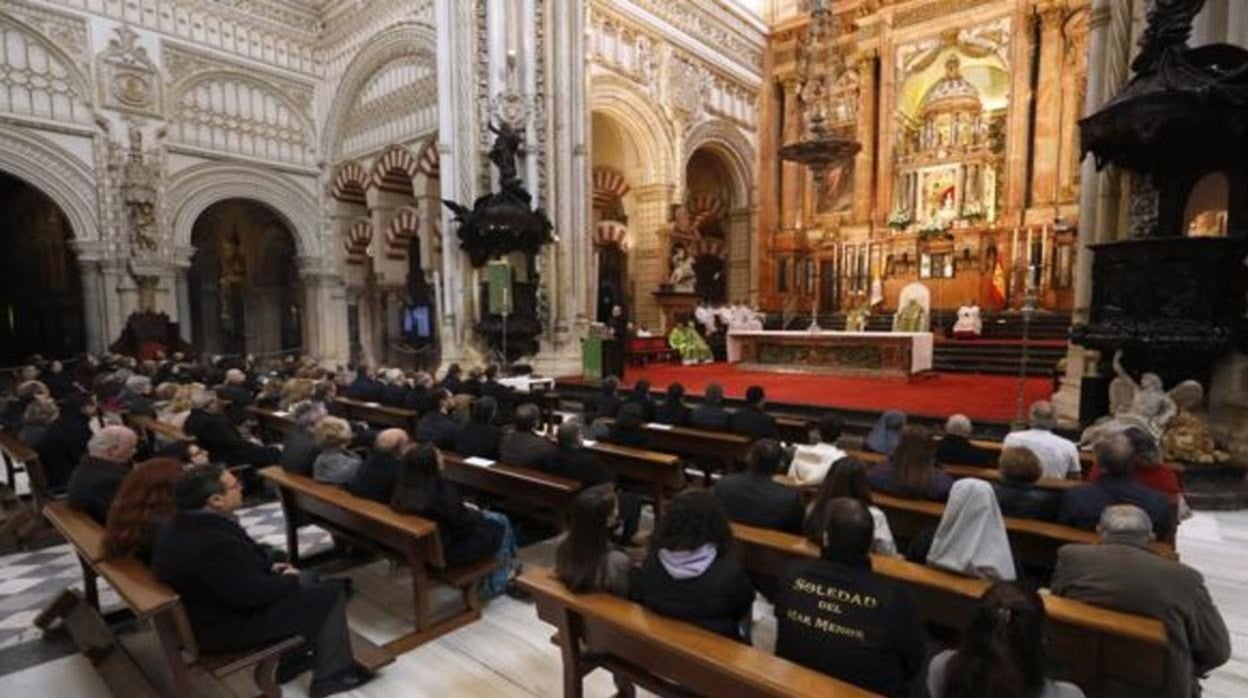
<point>979,396</point>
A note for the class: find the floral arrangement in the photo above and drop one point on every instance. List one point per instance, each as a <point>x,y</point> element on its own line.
<point>899,219</point>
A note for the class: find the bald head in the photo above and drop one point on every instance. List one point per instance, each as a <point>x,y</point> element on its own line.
<point>113,443</point>
<point>391,440</point>
<point>1126,524</point>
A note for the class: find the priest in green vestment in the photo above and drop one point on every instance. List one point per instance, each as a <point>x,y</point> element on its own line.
<point>911,318</point>
<point>692,348</point>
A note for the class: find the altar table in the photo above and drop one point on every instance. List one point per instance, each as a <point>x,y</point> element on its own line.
<point>897,354</point>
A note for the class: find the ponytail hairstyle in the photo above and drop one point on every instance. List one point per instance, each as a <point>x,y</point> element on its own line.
<point>1003,651</point>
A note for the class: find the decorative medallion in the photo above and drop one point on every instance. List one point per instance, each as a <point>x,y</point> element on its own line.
<point>129,80</point>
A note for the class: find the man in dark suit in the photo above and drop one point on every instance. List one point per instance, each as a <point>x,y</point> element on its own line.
<point>521,446</point>
<point>136,397</point>
<point>572,459</point>
<point>673,411</point>
<point>377,475</point>
<point>393,388</point>
<point>299,449</point>
<point>480,436</point>
<point>503,395</point>
<point>215,434</point>
<point>365,387</point>
<point>235,393</point>
<point>751,420</point>
<point>96,479</point>
<point>711,414</point>
<point>606,403</point>
<point>754,498</point>
<point>955,447</point>
<point>436,426</point>
<point>236,597</point>
<point>453,381</point>
<point>1082,506</point>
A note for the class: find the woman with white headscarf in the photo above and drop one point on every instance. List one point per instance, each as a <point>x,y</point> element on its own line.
<point>971,538</point>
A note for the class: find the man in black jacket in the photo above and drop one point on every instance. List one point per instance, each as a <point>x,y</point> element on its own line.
<point>299,449</point>
<point>755,499</point>
<point>377,475</point>
<point>215,434</point>
<point>436,426</point>
<point>711,414</point>
<point>365,387</point>
<point>96,479</point>
<point>502,394</point>
<point>751,420</point>
<point>606,403</point>
<point>393,388</point>
<point>234,391</point>
<point>956,448</point>
<point>836,616</point>
<point>572,459</point>
<point>236,597</point>
<point>521,446</point>
<point>480,437</point>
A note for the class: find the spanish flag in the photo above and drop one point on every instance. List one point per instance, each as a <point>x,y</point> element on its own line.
<point>998,284</point>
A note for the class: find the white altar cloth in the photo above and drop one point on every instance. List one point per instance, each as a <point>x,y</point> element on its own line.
<point>921,343</point>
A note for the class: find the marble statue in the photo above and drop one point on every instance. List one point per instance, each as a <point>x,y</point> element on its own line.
<point>1187,437</point>
<point>1145,404</point>
<point>683,279</point>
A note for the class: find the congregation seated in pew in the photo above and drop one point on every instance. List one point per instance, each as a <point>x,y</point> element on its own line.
<point>955,446</point>
<point>755,498</point>
<point>811,462</point>
<point>522,446</point>
<point>572,460</point>
<point>629,427</point>
<point>885,434</point>
<point>480,437</point>
<point>1148,469</point>
<point>1017,493</point>
<point>673,409</point>
<point>711,414</point>
<point>1002,651</point>
<point>1059,457</point>
<point>377,475</point>
<point>299,447</point>
<point>95,480</point>
<point>585,558</point>
<point>751,419</point>
<point>467,535</point>
<point>335,463</point>
<point>213,430</point>
<point>65,443</point>
<point>911,470</point>
<point>143,503</point>
<point>835,615</point>
<point>606,403</point>
<point>690,572</point>
<point>640,396</point>
<point>237,596</point>
<point>1120,572</point>
<point>436,425</point>
<point>847,478</point>
<point>970,539</point>
<point>1116,456</point>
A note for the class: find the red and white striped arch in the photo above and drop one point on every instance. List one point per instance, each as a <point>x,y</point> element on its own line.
<point>707,247</point>
<point>704,208</point>
<point>395,169</point>
<point>608,233</point>
<point>402,229</point>
<point>609,187</point>
<point>350,183</point>
<point>429,161</point>
<point>358,238</point>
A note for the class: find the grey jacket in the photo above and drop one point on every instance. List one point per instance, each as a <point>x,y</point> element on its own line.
<point>1135,580</point>
<point>336,466</point>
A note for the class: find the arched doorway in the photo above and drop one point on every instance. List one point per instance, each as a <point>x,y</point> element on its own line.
<point>709,199</point>
<point>615,156</point>
<point>41,310</point>
<point>246,296</point>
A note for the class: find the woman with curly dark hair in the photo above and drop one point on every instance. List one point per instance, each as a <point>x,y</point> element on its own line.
<point>690,573</point>
<point>1002,653</point>
<point>143,502</point>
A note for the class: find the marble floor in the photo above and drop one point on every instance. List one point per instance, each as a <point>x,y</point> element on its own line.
<point>508,653</point>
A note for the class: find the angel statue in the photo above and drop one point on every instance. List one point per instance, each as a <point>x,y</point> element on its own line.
<point>1145,404</point>
<point>683,279</point>
<point>1187,437</point>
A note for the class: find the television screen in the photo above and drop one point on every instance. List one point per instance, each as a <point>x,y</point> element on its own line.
<point>416,322</point>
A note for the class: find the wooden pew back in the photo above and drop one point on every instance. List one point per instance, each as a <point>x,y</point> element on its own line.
<point>545,496</point>
<point>655,652</point>
<point>1103,651</point>
<point>376,414</point>
<point>15,451</point>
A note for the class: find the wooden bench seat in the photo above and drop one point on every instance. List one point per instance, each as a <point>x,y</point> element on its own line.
<point>409,538</point>
<point>659,474</point>
<point>664,655</point>
<point>1105,652</point>
<point>539,494</point>
<point>15,451</point>
<point>154,603</point>
<point>375,414</point>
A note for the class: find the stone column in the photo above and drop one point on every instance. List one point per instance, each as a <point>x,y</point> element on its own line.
<point>93,312</point>
<point>1047,133</point>
<point>738,254</point>
<point>1018,147</point>
<point>864,164</point>
<point>324,318</point>
<point>886,126</point>
<point>792,175</point>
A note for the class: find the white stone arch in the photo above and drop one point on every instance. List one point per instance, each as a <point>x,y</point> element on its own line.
<point>193,190</point>
<point>404,39</point>
<point>725,140</point>
<point>642,121</point>
<point>64,178</point>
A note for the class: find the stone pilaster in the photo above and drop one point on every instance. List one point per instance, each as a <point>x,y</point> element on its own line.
<point>1018,145</point>
<point>1046,141</point>
<point>325,334</point>
<point>792,175</point>
<point>864,165</point>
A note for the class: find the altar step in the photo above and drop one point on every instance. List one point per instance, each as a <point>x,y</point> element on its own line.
<point>1004,325</point>
<point>986,356</point>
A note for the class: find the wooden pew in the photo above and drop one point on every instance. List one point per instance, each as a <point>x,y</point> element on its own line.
<point>727,449</point>
<point>664,655</point>
<point>154,603</point>
<point>994,475</point>
<point>1105,652</point>
<point>1034,543</point>
<point>15,451</point>
<point>793,429</point>
<point>154,430</point>
<point>371,524</point>
<point>660,474</point>
<point>376,414</point>
<point>273,423</point>
<point>538,494</point>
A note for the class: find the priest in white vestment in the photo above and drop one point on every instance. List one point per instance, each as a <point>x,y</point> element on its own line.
<point>969,324</point>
